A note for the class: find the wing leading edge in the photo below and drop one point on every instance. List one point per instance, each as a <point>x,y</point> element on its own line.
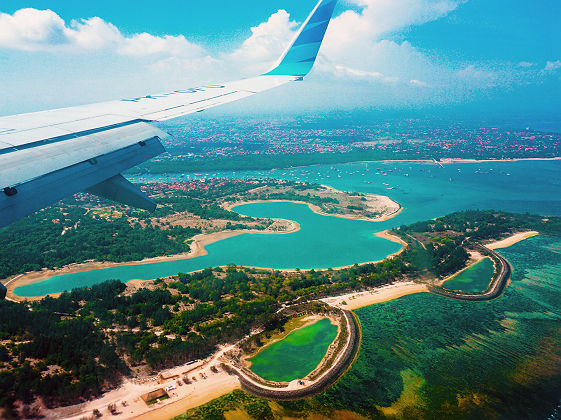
<point>46,156</point>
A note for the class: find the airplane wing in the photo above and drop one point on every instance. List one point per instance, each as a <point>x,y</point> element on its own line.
<point>46,156</point>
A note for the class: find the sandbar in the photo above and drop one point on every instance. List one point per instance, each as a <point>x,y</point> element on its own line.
<point>511,240</point>
<point>357,300</point>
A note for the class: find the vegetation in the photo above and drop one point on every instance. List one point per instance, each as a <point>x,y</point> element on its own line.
<point>49,352</point>
<point>113,328</point>
<point>253,407</point>
<point>95,229</point>
<point>441,246</point>
<point>64,235</point>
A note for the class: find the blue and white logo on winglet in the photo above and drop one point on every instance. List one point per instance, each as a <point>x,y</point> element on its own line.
<point>300,57</point>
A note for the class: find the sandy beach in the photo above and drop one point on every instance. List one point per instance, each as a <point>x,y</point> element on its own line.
<point>357,300</point>
<point>511,240</point>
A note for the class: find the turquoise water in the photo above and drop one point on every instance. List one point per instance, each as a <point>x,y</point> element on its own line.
<point>475,279</point>
<point>297,355</point>
<point>322,242</point>
<point>465,360</point>
<point>424,190</point>
<point>429,190</point>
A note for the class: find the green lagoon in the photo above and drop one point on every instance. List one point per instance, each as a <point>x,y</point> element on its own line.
<point>297,355</point>
<point>475,279</point>
<point>433,357</point>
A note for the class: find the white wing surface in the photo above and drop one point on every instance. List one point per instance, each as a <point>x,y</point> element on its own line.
<point>48,155</point>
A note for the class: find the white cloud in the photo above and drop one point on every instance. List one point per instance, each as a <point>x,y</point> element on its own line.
<point>31,29</point>
<point>347,72</point>
<point>266,43</point>
<point>552,66</point>
<point>146,44</point>
<point>359,51</point>
<point>44,30</point>
<point>358,40</point>
<point>474,73</point>
<point>419,83</point>
<point>92,34</point>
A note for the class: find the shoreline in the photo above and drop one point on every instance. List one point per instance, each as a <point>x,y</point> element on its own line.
<point>197,250</point>
<point>221,383</point>
<point>431,161</point>
<point>316,209</point>
<point>357,300</point>
<point>477,257</point>
<point>453,160</point>
<point>512,240</point>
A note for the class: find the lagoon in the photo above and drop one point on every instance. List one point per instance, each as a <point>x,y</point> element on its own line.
<point>475,279</point>
<point>322,242</point>
<point>425,191</point>
<point>297,355</point>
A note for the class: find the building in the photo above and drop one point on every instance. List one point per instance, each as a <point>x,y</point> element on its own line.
<point>154,396</point>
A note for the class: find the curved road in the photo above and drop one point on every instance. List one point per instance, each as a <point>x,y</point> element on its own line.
<point>494,291</point>
<point>325,381</point>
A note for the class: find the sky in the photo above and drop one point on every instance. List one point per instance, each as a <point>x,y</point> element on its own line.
<point>477,57</point>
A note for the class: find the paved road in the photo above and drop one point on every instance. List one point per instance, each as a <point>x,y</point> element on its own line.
<point>495,290</point>
<point>328,379</point>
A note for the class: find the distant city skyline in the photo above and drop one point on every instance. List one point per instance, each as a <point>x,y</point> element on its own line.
<point>498,57</point>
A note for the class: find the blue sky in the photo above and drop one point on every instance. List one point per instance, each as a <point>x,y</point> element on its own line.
<point>488,55</point>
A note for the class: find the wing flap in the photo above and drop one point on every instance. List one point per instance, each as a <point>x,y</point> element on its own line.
<point>47,155</point>
<point>45,190</point>
<point>35,159</point>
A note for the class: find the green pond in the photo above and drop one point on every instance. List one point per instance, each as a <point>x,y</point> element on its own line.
<point>442,358</point>
<point>297,355</point>
<point>474,279</point>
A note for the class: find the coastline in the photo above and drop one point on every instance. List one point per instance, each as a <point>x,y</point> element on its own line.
<point>197,250</point>
<point>511,240</point>
<point>214,385</point>
<point>453,160</point>
<point>387,201</point>
<point>358,300</point>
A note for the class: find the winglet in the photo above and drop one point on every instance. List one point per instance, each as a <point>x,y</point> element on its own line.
<point>300,57</point>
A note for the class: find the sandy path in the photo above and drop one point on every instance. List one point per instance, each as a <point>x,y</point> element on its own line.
<point>207,386</point>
